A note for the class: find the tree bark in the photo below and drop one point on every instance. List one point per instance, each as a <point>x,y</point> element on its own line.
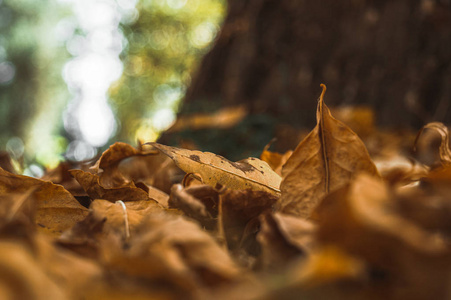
<point>272,55</point>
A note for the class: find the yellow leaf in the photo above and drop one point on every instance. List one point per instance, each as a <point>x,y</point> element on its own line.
<point>251,173</point>
<point>329,157</point>
<point>275,160</point>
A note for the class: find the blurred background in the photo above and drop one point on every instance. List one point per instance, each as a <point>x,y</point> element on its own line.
<point>77,75</point>
<point>217,75</point>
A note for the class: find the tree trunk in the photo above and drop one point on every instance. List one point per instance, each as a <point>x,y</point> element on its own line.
<point>272,55</point>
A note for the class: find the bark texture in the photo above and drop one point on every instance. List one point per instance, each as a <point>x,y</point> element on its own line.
<point>272,55</point>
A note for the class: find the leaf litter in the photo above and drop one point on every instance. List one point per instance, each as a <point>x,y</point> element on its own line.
<point>319,222</point>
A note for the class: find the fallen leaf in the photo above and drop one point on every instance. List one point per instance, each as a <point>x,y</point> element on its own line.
<point>161,197</point>
<point>250,173</point>
<point>122,164</point>
<point>445,152</point>
<point>22,276</point>
<point>56,262</point>
<point>90,183</point>
<point>328,265</point>
<point>123,217</point>
<point>105,219</point>
<point>224,118</point>
<point>56,209</point>
<point>60,175</point>
<point>238,217</point>
<point>83,238</point>
<point>329,157</point>
<point>283,238</point>
<point>275,160</point>
<point>362,218</point>
<point>193,207</point>
<point>174,250</point>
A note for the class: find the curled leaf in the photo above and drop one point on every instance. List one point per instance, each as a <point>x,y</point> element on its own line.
<point>445,152</point>
<point>329,157</point>
<point>91,184</point>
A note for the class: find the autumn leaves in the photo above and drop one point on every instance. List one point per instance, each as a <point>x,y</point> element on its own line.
<point>318,222</point>
<point>328,158</point>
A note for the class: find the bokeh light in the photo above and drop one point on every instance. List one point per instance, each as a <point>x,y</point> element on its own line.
<point>91,71</point>
<point>77,75</point>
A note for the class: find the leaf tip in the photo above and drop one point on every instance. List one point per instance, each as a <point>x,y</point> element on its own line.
<point>323,86</point>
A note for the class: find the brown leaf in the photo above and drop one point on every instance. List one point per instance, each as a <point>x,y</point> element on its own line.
<point>55,261</point>
<point>250,173</point>
<point>56,209</point>
<point>60,175</point>
<point>238,217</point>
<point>161,197</point>
<point>83,238</point>
<point>125,217</point>
<point>175,250</point>
<point>329,157</point>
<point>121,164</point>
<point>105,218</point>
<point>90,183</point>
<point>283,238</point>
<point>22,276</point>
<point>193,207</point>
<point>362,219</point>
<point>445,152</point>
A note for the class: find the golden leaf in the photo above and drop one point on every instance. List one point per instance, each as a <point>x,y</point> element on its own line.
<point>329,157</point>
<point>251,173</point>
<point>56,209</point>
<point>275,160</point>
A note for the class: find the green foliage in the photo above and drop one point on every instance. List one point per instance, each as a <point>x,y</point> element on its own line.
<point>165,45</point>
<point>32,101</point>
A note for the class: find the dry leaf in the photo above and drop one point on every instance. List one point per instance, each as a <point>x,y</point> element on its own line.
<point>176,251</point>
<point>329,157</point>
<point>123,218</point>
<point>275,160</point>
<point>224,118</point>
<point>161,197</point>
<point>105,218</point>
<point>445,152</point>
<point>57,261</point>
<point>90,183</point>
<point>250,173</point>
<point>56,209</point>
<point>283,238</point>
<point>22,276</point>
<point>328,265</point>
<point>193,207</point>
<point>361,218</point>
<point>122,164</point>
<point>238,217</point>
<point>83,238</point>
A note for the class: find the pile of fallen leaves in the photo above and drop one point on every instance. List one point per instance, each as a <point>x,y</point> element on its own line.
<point>159,222</point>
